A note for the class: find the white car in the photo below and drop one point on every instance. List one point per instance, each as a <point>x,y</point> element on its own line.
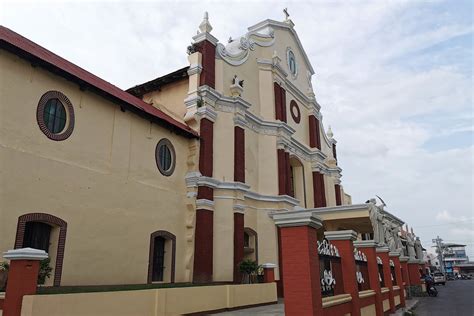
<point>439,278</point>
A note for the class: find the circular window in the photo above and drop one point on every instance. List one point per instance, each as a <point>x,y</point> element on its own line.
<point>55,115</point>
<point>165,157</point>
<point>295,111</point>
<point>292,65</point>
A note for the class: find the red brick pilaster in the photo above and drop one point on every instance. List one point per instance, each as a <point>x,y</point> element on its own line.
<point>206,147</point>
<point>368,247</point>
<point>268,272</point>
<point>398,274</point>
<point>284,181</point>
<point>208,73</point>
<point>239,154</point>
<point>414,273</point>
<point>314,134</point>
<point>337,189</point>
<point>343,241</point>
<point>203,246</point>
<point>319,191</point>
<point>404,270</point>
<point>300,262</point>
<point>387,276</point>
<point>238,245</point>
<point>22,277</point>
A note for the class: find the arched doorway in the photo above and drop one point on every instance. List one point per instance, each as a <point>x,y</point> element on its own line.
<point>162,257</point>
<point>46,232</point>
<point>250,244</point>
<point>297,181</point>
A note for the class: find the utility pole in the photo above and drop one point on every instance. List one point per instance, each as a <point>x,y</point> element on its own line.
<point>439,249</point>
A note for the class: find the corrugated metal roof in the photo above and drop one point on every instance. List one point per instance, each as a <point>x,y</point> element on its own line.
<point>30,50</point>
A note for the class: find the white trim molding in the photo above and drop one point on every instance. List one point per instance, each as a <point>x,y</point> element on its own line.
<point>365,244</point>
<point>296,218</point>
<point>25,254</point>
<point>382,249</point>
<point>340,235</point>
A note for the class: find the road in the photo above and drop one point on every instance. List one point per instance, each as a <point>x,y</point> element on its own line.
<point>454,299</point>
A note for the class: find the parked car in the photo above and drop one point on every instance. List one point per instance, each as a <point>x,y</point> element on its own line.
<point>439,278</point>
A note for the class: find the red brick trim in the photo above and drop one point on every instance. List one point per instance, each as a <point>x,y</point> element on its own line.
<point>295,111</point>
<point>280,289</point>
<point>206,148</point>
<point>166,235</point>
<point>203,246</point>
<point>208,73</point>
<point>69,113</point>
<point>239,154</point>
<point>238,245</point>
<point>48,219</point>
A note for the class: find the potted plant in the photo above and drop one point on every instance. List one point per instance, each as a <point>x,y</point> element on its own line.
<point>4,267</point>
<point>248,268</point>
<point>44,271</point>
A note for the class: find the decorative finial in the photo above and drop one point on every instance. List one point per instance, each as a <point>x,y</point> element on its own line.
<point>287,15</point>
<point>330,133</point>
<point>205,26</point>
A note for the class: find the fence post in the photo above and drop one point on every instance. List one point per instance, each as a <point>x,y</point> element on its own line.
<point>300,261</point>
<point>368,247</point>
<point>382,252</point>
<point>395,256</point>
<point>268,272</point>
<point>343,239</point>
<point>22,277</point>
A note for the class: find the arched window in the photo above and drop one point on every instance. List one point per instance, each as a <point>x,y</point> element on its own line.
<point>250,244</point>
<point>162,257</point>
<point>46,232</point>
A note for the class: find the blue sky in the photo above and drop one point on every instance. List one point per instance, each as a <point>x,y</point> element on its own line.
<point>394,79</point>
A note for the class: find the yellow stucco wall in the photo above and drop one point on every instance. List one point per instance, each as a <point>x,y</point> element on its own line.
<point>103,180</point>
<point>174,301</point>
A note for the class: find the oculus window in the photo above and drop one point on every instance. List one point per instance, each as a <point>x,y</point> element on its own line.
<point>55,115</point>
<point>165,157</point>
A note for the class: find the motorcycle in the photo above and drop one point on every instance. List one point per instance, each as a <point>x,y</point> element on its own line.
<point>431,290</point>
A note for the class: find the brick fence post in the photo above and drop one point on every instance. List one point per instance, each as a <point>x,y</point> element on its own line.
<point>22,277</point>
<point>395,256</point>
<point>382,252</point>
<point>343,239</point>
<point>368,247</point>
<point>300,261</point>
<point>268,272</point>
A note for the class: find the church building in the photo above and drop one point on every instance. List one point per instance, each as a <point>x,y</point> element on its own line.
<point>174,180</point>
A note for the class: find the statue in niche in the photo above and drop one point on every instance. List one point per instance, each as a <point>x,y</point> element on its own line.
<point>389,239</point>
<point>418,248</point>
<point>411,246</point>
<point>398,242</point>
<point>376,218</point>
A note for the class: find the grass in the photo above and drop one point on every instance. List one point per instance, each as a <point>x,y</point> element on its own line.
<point>114,288</point>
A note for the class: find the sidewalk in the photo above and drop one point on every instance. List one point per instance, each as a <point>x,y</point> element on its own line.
<point>268,310</point>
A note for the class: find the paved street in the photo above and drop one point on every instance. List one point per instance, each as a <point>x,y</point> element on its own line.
<point>456,299</point>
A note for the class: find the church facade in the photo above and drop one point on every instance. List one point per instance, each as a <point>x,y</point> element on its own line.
<point>174,180</point>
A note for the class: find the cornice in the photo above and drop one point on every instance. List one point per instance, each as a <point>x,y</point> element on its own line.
<point>341,208</point>
<point>340,235</point>
<point>205,36</point>
<point>205,204</point>
<point>194,69</point>
<point>296,218</point>
<point>365,244</point>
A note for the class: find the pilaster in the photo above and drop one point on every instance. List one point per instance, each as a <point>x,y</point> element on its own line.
<point>382,252</point>
<point>368,247</point>
<point>342,240</point>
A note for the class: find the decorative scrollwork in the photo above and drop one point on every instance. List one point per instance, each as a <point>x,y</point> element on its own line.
<point>325,248</point>
<point>379,261</point>
<point>359,277</point>
<point>327,281</point>
<point>359,255</point>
